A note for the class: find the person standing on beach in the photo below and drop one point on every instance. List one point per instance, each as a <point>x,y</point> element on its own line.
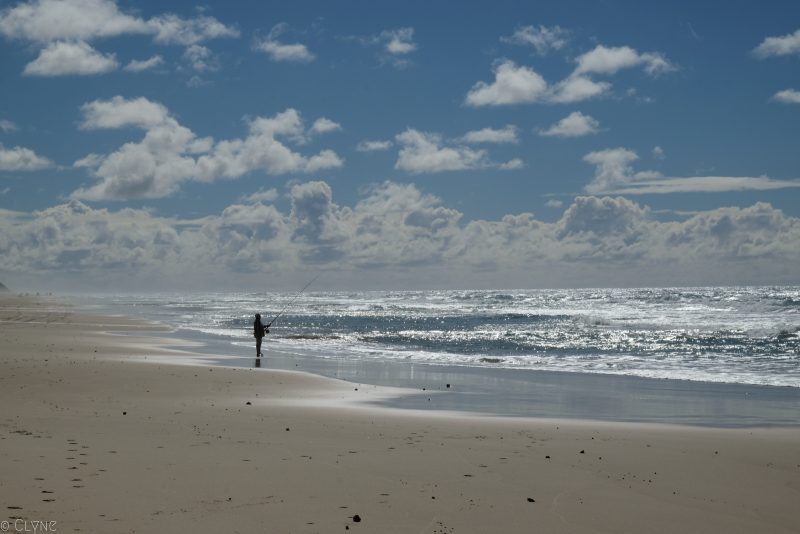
<point>259,331</point>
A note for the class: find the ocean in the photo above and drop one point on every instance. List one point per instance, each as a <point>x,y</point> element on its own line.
<point>731,335</point>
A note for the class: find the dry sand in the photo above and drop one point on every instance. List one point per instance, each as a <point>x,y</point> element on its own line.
<point>96,439</point>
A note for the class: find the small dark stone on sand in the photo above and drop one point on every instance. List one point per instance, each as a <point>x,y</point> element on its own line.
<point>287,428</point>
<point>356,518</point>
<point>530,499</point>
<point>583,452</point>
<point>547,457</point>
<point>248,403</point>
<point>124,413</point>
<point>448,385</point>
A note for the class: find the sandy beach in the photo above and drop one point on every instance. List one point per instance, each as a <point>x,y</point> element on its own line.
<point>96,438</point>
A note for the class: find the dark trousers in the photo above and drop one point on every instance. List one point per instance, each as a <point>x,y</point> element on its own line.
<point>258,346</point>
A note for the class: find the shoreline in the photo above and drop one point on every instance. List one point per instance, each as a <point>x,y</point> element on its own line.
<point>96,441</point>
<point>525,393</point>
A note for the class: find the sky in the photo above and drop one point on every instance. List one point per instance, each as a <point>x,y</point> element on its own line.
<point>251,146</point>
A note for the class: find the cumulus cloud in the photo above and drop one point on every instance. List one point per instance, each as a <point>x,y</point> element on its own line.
<point>21,159</point>
<point>778,46</point>
<point>518,85</point>
<point>512,85</point>
<point>787,96</point>
<point>610,60</point>
<point>541,38</point>
<point>136,65</point>
<point>325,125</point>
<point>614,174</point>
<point>658,152</point>
<point>576,124</point>
<point>278,51</point>
<point>119,112</point>
<point>396,232</point>
<point>398,42</point>
<point>171,154</point>
<point>577,89</point>
<point>45,21</point>
<point>612,168</point>
<point>506,134</point>
<point>423,152</point>
<point>51,20</point>
<point>64,29</point>
<point>64,58</point>
<point>373,146</point>
<point>554,203</point>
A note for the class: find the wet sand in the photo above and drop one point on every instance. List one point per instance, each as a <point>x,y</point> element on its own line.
<point>97,438</point>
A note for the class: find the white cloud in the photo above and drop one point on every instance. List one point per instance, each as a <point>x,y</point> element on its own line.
<point>576,124</point>
<point>286,52</point>
<point>21,159</point>
<point>542,38</point>
<point>512,165</point>
<point>614,175</point>
<point>63,58</point>
<point>172,29</point>
<point>422,153</point>
<point>553,203</point>
<point>52,20</point>
<point>395,45</point>
<point>262,195</point>
<point>512,85</point>
<point>90,161</point>
<point>171,154</point>
<point>787,96</point>
<point>201,58</point>
<point>396,232</point>
<point>373,146</point>
<point>613,168</point>
<point>119,112</point>
<point>7,126</point>
<point>325,125</point>
<point>779,46</point>
<point>610,60</point>
<point>507,134</point>
<point>136,65</point>
<point>278,51</point>
<point>577,89</point>
<point>65,27</point>
<point>399,41</point>
<point>518,85</point>
<point>45,21</point>
<point>703,184</point>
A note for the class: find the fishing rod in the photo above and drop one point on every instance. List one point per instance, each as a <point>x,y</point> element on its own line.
<point>291,301</point>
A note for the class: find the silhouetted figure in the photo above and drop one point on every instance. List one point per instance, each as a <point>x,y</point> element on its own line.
<point>259,331</point>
